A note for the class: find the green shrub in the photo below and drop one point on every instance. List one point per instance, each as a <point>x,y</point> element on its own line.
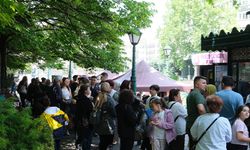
<point>19,131</point>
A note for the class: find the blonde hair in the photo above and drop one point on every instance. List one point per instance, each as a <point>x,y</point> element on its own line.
<point>102,96</point>
<point>210,89</point>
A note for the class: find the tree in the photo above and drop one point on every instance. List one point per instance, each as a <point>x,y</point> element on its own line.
<point>185,21</point>
<point>86,32</point>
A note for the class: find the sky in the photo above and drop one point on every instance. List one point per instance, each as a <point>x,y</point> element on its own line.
<point>149,42</point>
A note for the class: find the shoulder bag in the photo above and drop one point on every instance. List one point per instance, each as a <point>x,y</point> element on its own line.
<point>196,142</point>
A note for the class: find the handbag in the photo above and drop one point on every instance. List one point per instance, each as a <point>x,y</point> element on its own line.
<point>196,142</point>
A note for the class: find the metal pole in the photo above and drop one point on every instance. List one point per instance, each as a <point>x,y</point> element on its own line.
<point>70,70</point>
<point>133,76</point>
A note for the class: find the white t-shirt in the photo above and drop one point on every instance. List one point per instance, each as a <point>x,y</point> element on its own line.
<point>66,93</point>
<point>218,135</point>
<point>179,110</point>
<point>239,126</point>
<point>159,133</point>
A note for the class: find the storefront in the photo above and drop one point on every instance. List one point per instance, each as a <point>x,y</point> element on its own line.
<point>213,65</point>
<point>237,46</point>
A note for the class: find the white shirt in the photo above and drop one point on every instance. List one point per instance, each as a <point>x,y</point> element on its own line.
<point>179,110</point>
<point>239,126</point>
<point>159,133</point>
<point>218,135</point>
<point>66,93</point>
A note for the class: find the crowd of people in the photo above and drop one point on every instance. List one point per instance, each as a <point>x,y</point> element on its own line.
<point>213,120</point>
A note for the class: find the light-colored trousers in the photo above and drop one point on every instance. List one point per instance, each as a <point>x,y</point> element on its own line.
<point>158,144</point>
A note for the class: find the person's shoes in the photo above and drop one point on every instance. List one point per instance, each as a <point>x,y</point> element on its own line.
<point>115,142</point>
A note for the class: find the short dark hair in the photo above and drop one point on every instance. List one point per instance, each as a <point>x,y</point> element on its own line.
<point>198,78</point>
<point>75,77</point>
<point>172,94</point>
<point>104,74</point>
<point>155,87</point>
<point>228,81</point>
<point>93,77</point>
<point>126,97</point>
<point>43,79</point>
<point>214,103</point>
<point>83,80</point>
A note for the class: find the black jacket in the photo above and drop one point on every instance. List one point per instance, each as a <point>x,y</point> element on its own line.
<point>126,117</point>
<point>83,108</point>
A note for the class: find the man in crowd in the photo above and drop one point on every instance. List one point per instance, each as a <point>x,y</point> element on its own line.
<point>231,99</point>
<point>74,84</point>
<point>195,104</point>
<point>94,87</point>
<point>153,90</point>
<point>113,93</point>
<point>104,77</point>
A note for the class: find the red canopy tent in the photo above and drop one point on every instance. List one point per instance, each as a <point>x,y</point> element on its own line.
<point>147,76</point>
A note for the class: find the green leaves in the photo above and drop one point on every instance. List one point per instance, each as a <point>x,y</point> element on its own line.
<point>185,21</point>
<point>20,131</point>
<point>85,31</point>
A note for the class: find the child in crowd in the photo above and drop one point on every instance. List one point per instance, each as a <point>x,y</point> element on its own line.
<point>240,134</point>
<point>162,124</point>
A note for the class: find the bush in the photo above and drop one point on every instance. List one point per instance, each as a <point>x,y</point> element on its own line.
<point>19,131</point>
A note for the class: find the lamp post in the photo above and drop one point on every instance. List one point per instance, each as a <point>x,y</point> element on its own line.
<point>134,40</point>
<point>70,69</point>
<point>167,51</point>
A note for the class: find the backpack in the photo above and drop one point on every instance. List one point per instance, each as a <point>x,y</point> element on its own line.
<point>95,117</point>
<point>103,120</point>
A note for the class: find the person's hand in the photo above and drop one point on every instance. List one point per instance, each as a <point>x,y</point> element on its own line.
<point>155,123</point>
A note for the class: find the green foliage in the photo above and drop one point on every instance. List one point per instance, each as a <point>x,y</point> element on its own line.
<point>185,21</point>
<point>19,131</point>
<point>85,31</point>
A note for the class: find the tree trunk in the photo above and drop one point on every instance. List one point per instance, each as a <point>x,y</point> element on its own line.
<point>3,62</point>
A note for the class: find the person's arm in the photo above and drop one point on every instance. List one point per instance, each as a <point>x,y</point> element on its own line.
<point>199,101</point>
<point>182,111</point>
<point>228,128</point>
<point>201,109</point>
<point>168,122</point>
<point>241,137</point>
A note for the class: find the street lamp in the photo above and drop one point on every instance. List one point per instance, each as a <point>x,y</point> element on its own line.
<point>134,40</point>
<point>167,51</point>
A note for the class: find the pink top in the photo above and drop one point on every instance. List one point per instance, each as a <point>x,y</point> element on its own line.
<point>167,124</point>
<point>239,126</point>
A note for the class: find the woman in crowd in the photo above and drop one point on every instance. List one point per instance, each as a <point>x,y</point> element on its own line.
<point>179,114</point>
<point>84,107</point>
<point>126,118</point>
<point>56,119</point>
<point>210,90</point>
<point>22,89</point>
<point>162,123</point>
<point>218,128</point>
<point>105,128</point>
<point>126,84</point>
<point>240,138</point>
<point>66,96</point>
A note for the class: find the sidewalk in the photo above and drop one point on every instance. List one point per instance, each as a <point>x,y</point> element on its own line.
<point>69,143</point>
